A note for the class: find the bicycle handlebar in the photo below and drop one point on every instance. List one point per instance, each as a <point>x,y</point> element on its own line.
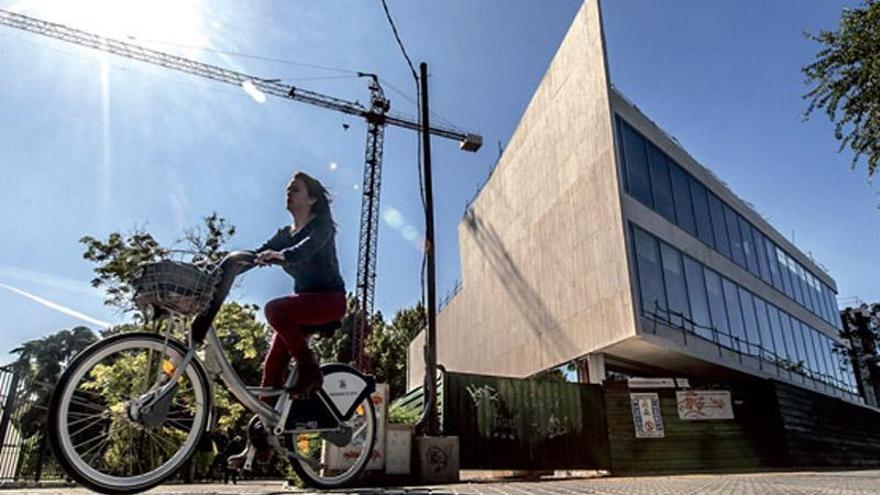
<point>233,265</point>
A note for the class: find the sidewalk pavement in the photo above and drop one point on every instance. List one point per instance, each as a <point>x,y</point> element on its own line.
<point>787,483</point>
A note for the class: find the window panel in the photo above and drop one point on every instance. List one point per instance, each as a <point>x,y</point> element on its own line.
<point>736,245</point>
<point>676,290</point>
<point>832,300</point>
<point>785,273</point>
<point>791,349</point>
<point>805,287</point>
<point>719,225</point>
<point>821,362</point>
<point>823,303</point>
<point>778,333</point>
<point>836,363</point>
<point>794,330</point>
<point>850,378</point>
<point>817,298</point>
<point>653,295</point>
<point>761,253</point>
<point>829,310</point>
<point>716,307</point>
<point>700,198</point>
<point>660,182</point>
<point>636,160</point>
<point>745,229</point>
<point>773,261</point>
<point>795,280</point>
<point>807,343</point>
<point>750,322</point>
<point>835,311</point>
<point>764,328</point>
<point>699,303</point>
<point>681,196</point>
<point>734,315</point>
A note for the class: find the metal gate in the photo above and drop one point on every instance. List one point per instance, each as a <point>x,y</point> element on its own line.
<point>509,423</point>
<point>24,449</point>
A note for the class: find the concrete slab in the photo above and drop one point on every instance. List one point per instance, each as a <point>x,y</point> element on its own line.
<point>786,483</point>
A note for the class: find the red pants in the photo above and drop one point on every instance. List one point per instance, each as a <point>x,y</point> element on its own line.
<point>287,315</point>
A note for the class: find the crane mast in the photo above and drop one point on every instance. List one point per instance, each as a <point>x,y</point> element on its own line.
<point>377,117</point>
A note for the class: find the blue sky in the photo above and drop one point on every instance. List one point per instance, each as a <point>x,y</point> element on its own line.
<point>91,144</point>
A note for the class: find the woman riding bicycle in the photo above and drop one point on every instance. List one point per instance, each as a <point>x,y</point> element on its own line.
<point>306,250</point>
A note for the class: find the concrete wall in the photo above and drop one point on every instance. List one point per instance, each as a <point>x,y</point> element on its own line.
<point>543,255</point>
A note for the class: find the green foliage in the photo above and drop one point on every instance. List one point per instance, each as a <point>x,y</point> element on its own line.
<point>846,75</point>
<point>387,347</point>
<point>207,240</point>
<point>39,366</point>
<point>118,259</point>
<point>337,348</point>
<point>245,343</point>
<point>403,415</point>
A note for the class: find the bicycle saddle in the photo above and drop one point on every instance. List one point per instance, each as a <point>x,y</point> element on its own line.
<point>322,329</point>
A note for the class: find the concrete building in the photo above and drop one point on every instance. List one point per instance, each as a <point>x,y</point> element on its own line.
<point>599,240</point>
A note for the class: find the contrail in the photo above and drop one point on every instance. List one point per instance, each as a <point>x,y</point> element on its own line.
<point>57,307</point>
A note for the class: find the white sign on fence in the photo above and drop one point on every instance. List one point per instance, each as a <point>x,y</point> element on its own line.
<point>646,415</point>
<point>637,382</point>
<point>704,404</point>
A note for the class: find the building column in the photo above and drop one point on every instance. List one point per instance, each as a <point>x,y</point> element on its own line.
<point>591,368</point>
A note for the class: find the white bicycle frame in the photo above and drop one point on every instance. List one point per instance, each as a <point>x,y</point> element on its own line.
<point>274,419</point>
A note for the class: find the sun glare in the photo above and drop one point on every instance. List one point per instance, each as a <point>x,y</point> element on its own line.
<point>173,21</point>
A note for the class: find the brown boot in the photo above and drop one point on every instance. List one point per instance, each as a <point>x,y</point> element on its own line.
<point>308,374</point>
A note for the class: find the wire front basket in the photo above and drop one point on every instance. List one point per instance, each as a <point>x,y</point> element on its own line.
<point>177,287</point>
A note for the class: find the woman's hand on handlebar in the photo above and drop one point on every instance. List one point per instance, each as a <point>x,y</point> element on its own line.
<point>269,257</point>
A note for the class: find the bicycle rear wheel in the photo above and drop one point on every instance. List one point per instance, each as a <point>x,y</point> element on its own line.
<point>94,434</point>
<point>335,459</point>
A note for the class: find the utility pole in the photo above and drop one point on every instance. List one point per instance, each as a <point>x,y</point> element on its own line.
<point>429,424</point>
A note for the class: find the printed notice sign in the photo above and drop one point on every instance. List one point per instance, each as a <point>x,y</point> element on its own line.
<point>646,415</point>
<point>704,404</point>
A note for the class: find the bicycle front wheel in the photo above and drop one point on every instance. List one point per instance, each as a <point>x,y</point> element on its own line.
<point>94,434</point>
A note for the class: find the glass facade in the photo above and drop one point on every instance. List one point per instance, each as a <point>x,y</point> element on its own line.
<point>681,292</point>
<point>663,185</point>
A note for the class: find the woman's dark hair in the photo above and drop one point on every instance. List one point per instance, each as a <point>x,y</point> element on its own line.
<point>316,190</point>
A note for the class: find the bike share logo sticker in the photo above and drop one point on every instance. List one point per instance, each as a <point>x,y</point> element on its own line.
<point>343,390</point>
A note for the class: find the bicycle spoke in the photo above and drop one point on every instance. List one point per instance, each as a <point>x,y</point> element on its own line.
<point>87,405</point>
<point>163,443</point>
<point>74,434</point>
<point>98,452</point>
<point>178,425</point>
<point>92,439</point>
<point>83,417</point>
<point>106,438</point>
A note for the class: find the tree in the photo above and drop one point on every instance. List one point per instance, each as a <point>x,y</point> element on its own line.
<point>119,257</point>
<point>388,344</point>
<point>338,348</point>
<point>846,75</point>
<point>39,366</point>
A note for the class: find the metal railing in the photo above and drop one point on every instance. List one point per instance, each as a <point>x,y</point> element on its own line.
<point>738,346</point>
<point>25,454</point>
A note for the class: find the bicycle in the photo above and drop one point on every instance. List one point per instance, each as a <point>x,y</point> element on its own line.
<point>130,409</point>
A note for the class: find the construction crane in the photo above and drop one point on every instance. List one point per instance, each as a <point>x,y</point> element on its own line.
<point>377,116</point>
